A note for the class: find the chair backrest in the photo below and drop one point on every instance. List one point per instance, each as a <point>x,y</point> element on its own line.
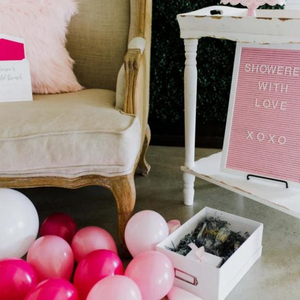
<point>97,41</point>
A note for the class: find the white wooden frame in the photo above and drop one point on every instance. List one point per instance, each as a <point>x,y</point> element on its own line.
<point>230,113</point>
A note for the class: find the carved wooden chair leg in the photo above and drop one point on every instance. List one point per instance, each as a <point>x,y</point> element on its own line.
<point>124,192</point>
<point>143,164</point>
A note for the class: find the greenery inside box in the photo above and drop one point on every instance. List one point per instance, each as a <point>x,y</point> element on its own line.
<point>215,61</point>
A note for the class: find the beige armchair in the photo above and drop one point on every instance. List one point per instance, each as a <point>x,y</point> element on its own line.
<point>99,135</point>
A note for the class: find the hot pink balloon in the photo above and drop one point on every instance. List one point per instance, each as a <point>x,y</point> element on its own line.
<point>94,267</point>
<point>144,231</point>
<point>51,257</point>
<point>153,272</point>
<point>89,239</point>
<point>59,224</point>
<point>53,289</point>
<point>17,278</point>
<point>115,288</point>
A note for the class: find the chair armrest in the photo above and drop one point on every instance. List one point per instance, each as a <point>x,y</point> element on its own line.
<point>132,62</point>
<point>137,43</point>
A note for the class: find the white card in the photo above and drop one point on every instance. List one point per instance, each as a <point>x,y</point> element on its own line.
<point>15,81</point>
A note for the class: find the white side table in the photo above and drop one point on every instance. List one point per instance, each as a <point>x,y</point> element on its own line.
<point>269,26</point>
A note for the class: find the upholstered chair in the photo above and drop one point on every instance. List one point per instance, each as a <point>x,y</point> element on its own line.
<point>97,136</point>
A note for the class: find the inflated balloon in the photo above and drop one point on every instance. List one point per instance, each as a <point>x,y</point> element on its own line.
<point>53,289</point>
<point>153,272</point>
<point>115,288</point>
<point>51,257</point>
<point>19,224</point>
<point>144,230</point>
<point>89,239</point>
<point>59,224</point>
<point>94,267</point>
<point>179,294</point>
<point>173,225</point>
<point>17,278</point>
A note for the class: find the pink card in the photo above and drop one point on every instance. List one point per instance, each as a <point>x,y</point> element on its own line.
<point>11,50</point>
<point>263,123</point>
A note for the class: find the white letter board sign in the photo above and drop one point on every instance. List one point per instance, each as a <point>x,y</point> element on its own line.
<point>263,122</point>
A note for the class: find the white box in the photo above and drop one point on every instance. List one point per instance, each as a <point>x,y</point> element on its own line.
<point>203,280</point>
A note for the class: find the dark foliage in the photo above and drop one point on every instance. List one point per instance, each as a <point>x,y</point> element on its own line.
<point>215,61</point>
<point>215,236</point>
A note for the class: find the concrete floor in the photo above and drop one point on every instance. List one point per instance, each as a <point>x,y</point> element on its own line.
<point>275,276</point>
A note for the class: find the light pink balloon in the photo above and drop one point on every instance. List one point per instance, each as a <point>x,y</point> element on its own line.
<point>89,239</point>
<point>173,225</point>
<point>144,231</point>
<point>153,273</point>
<point>115,288</point>
<point>51,257</point>
<point>179,294</point>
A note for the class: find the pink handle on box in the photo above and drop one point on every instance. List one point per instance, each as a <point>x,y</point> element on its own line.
<point>186,277</point>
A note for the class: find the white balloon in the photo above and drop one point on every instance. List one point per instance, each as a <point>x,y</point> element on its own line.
<point>19,224</point>
<point>179,294</point>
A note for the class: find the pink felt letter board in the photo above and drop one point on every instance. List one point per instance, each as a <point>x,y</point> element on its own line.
<point>263,123</point>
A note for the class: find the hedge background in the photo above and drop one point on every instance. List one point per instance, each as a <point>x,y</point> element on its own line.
<point>215,64</point>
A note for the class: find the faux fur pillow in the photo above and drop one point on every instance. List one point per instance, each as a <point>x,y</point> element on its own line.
<point>43,25</point>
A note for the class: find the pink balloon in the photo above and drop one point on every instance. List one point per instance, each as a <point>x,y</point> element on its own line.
<point>173,225</point>
<point>115,288</point>
<point>59,224</point>
<point>144,231</point>
<point>179,294</point>
<point>17,278</point>
<point>53,289</point>
<point>89,239</point>
<point>94,267</point>
<point>153,272</point>
<point>51,257</point>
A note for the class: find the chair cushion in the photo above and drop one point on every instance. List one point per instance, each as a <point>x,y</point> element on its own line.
<point>67,135</point>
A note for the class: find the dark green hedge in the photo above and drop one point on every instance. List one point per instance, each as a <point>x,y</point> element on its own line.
<point>215,62</point>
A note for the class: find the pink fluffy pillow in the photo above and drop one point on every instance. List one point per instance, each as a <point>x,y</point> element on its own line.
<point>43,24</point>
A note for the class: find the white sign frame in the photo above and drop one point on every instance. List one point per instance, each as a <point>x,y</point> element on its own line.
<point>230,113</point>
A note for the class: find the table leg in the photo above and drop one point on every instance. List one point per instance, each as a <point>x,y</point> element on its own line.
<point>190,102</point>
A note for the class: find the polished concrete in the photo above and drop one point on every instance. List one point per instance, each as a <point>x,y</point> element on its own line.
<point>275,276</point>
